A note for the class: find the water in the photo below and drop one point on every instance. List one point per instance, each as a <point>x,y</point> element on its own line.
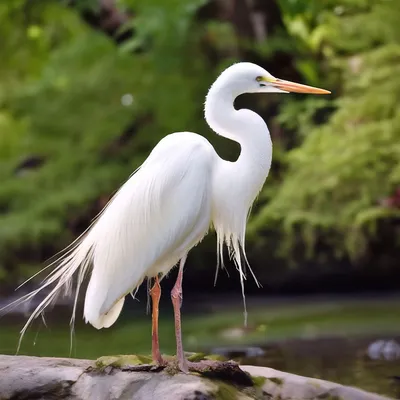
<point>337,359</point>
<point>322,339</point>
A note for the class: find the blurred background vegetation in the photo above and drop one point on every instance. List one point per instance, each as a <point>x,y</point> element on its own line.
<point>88,87</point>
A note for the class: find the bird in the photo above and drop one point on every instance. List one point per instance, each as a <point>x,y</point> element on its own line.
<point>167,206</point>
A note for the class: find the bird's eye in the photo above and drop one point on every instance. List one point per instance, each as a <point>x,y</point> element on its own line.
<point>260,80</point>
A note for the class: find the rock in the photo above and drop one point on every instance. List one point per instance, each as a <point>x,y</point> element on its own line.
<point>23,378</point>
<point>384,350</point>
<point>282,385</point>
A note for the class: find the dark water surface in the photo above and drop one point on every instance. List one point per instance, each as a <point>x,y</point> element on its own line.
<point>342,360</point>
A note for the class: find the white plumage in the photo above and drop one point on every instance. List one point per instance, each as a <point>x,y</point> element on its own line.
<point>167,206</point>
<point>159,213</point>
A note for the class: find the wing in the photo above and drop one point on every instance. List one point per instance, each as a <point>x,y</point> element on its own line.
<point>152,221</point>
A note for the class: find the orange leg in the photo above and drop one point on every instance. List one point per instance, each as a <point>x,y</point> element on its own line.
<point>176,296</point>
<point>155,294</point>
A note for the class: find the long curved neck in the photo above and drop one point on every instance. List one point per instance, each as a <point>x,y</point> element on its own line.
<point>250,131</point>
<point>236,184</point>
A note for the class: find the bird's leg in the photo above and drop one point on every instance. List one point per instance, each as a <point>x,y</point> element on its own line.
<point>155,293</point>
<point>176,296</point>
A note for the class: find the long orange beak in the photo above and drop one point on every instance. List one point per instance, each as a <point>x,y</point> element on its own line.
<point>297,87</point>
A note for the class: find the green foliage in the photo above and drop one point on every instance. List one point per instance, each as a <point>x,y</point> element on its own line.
<point>78,114</point>
<point>61,91</point>
<point>337,178</point>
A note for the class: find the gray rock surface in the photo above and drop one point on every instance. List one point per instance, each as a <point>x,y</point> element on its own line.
<point>23,378</point>
<point>295,387</point>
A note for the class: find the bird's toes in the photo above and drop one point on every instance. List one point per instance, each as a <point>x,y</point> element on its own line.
<point>184,367</point>
<point>161,362</point>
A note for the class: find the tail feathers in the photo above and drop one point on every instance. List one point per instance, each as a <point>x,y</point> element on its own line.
<point>107,319</point>
<point>77,257</point>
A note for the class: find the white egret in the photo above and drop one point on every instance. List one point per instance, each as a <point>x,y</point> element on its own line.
<point>167,206</point>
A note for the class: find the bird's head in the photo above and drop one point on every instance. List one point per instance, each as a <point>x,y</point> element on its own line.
<point>246,77</point>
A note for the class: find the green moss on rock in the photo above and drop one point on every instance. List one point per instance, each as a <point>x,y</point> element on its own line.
<point>227,392</point>
<point>258,380</point>
<point>119,361</point>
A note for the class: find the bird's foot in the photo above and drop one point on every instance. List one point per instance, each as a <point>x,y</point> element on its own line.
<point>224,370</point>
<point>183,365</point>
<point>159,360</point>
<point>195,362</point>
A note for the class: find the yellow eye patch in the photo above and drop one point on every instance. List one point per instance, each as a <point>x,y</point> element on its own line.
<point>265,79</point>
